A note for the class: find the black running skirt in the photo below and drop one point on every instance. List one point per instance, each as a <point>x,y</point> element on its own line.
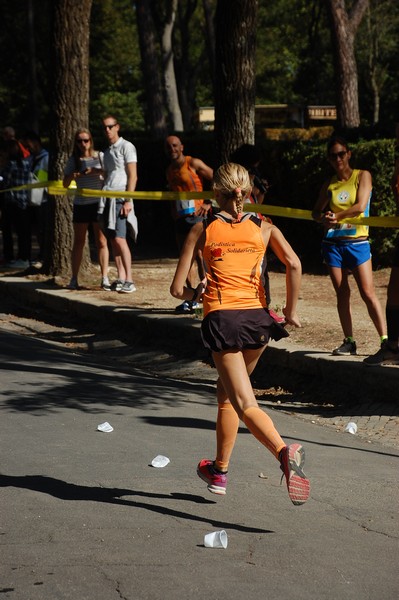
<point>239,329</point>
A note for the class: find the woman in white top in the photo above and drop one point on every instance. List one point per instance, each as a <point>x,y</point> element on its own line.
<point>85,166</point>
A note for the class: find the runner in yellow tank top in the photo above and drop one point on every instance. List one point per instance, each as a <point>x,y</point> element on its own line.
<point>237,325</point>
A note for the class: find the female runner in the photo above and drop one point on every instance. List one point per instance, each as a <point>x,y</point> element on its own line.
<point>237,325</point>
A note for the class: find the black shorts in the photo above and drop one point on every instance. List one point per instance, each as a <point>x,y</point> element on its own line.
<point>85,213</point>
<point>238,329</point>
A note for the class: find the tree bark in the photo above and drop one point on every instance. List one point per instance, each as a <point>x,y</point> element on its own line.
<point>69,111</point>
<point>172,97</point>
<point>210,37</point>
<point>235,75</point>
<point>149,60</point>
<point>344,26</point>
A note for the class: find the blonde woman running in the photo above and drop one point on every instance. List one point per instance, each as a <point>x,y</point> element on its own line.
<point>237,325</point>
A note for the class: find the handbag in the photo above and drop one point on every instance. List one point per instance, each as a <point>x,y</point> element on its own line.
<point>35,194</point>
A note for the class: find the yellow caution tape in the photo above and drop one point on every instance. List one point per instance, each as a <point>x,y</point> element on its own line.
<point>56,188</point>
<point>297,213</point>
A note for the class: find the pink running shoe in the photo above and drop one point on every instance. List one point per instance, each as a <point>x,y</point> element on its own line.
<point>216,481</point>
<point>276,317</point>
<point>292,459</point>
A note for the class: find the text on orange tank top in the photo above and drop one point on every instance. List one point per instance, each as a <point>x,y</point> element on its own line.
<point>233,256</point>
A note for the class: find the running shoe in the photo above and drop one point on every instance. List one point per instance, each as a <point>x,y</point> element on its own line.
<point>105,284</point>
<point>292,459</point>
<point>186,307</point>
<point>127,288</point>
<point>20,264</point>
<point>276,317</point>
<point>216,481</point>
<point>385,356</point>
<point>347,348</point>
<point>117,285</point>
<point>73,284</point>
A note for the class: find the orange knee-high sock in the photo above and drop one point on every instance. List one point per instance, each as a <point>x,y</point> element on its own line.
<point>226,432</point>
<point>261,426</point>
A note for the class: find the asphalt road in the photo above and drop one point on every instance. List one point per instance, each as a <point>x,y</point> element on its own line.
<point>85,516</point>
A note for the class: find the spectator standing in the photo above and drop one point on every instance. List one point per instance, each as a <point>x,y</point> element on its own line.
<point>85,167</point>
<point>9,134</point>
<point>15,214</point>
<point>185,174</point>
<point>39,158</point>
<point>346,247</point>
<point>120,165</point>
<point>237,325</point>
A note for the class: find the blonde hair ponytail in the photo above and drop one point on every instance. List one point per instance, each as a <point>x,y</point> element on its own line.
<point>232,182</point>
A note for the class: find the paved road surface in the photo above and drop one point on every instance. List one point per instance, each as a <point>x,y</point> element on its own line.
<point>85,516</point>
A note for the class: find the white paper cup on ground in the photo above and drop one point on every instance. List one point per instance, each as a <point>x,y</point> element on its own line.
<point>351,428</point>
<point>216,539</point>
<point>160,461</point>
<point>105,427</point>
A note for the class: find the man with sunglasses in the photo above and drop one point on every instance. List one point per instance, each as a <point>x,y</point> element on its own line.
<point>119,219</point>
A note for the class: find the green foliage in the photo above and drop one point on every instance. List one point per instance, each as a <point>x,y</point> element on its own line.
<point>293,44</point>
<point>115,74</point>
<point>377,50</point>
<point>294,58</point>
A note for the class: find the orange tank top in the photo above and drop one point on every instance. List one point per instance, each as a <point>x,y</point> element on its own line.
<point>184,179</point>
<point>233,255</point>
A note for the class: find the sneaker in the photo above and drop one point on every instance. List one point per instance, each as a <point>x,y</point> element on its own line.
<point>385,356</point>
<point>20,264</point>
<point>127,288</point>
<point>292,459</point>
<point>117,285</point>
<point>73,284</point>
<point>347,348</point>
<point>105,284</point>
<point>216,481</point>
<point>186,307</point>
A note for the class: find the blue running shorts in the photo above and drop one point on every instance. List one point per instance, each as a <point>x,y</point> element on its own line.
<point>345,254</point>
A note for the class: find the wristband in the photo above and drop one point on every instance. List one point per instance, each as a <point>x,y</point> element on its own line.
<point>195,294</point>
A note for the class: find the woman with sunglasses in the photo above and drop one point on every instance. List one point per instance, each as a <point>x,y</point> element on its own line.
<point>85,166</point>
<point>346,247</point>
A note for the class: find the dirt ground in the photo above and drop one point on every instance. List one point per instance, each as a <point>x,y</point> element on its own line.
<point>317,307</point>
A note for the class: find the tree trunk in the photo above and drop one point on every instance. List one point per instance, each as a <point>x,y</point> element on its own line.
<point>152,81</point>
<point>69,111</point>
<point>186,71</point>
<point>343,31</point>
<point>235,75</point>
<point>172,98</point>
<point>210,37</point>
<point>33,88</point>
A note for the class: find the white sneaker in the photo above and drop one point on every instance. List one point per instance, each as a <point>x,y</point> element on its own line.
<point>105,284</point>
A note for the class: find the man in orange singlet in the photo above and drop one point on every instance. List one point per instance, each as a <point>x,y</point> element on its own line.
<point>185,174</point>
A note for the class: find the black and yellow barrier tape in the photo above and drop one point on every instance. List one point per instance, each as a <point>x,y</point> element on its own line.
<point>56,188</point>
